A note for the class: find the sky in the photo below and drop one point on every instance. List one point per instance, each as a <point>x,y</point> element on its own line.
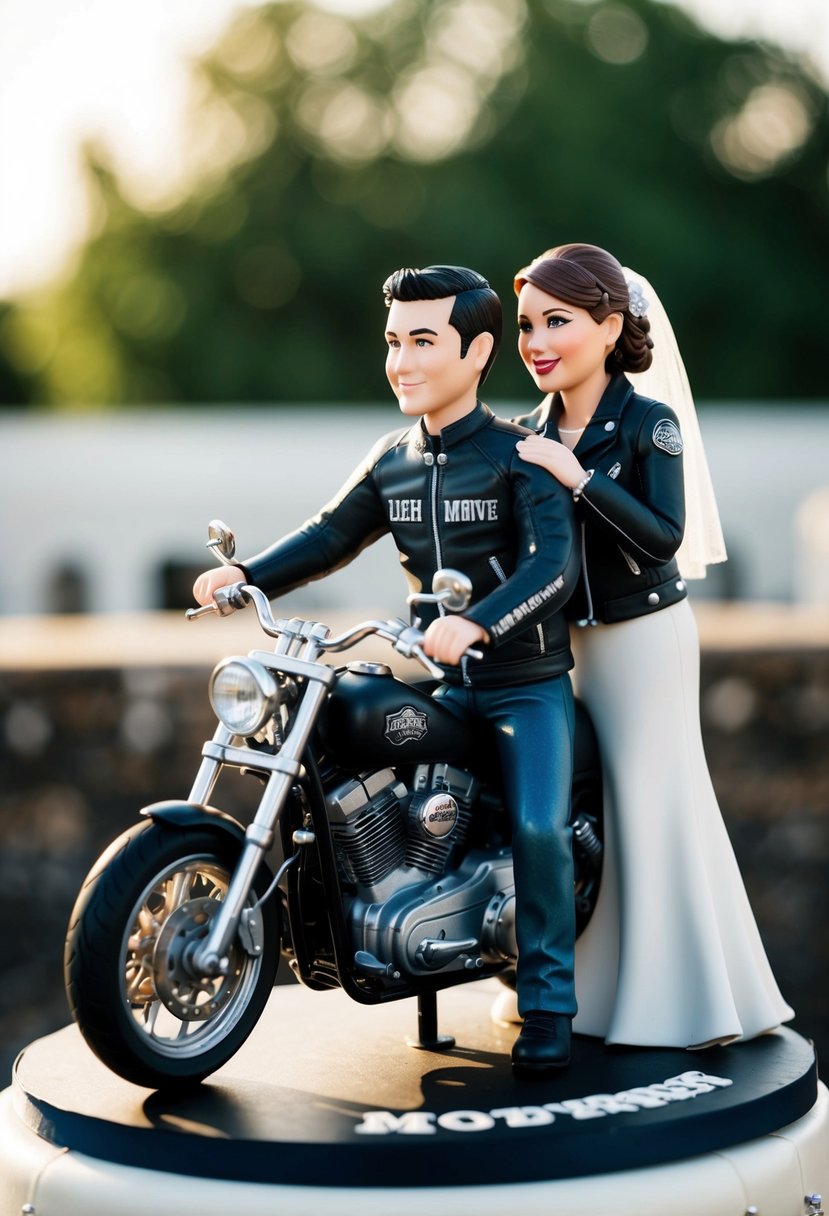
<point>118,71</point>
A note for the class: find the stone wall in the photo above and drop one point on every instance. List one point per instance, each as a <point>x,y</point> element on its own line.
<point>81,749</point>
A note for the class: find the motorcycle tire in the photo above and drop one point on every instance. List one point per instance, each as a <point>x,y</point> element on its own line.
<point>151,894</point>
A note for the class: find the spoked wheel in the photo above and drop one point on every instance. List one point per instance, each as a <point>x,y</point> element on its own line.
<point>142,913</point>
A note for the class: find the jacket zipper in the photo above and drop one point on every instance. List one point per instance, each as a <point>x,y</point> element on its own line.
<point>499,569</point>
<point>438,550</point>
<point>590,619</point>
<point>616,527</point>
<point>436,526</point>
<point>632,565</point>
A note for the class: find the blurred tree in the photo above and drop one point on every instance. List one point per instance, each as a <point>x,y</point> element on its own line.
<point>326,152</point>
<point>14,388</point>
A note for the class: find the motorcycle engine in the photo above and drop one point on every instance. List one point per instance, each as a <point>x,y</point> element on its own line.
<point>381,828</point>
<point>415,900</point>
<point>439,813</point>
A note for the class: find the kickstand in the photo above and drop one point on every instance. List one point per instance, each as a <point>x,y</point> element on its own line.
<point>428,1038</point>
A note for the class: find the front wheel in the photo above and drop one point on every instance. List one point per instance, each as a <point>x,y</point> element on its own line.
<point>150,898</point>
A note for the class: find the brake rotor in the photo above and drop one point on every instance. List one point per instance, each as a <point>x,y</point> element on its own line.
<point>189,997</point>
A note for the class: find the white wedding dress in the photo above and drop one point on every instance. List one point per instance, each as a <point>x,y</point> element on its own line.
<point>672,955</point>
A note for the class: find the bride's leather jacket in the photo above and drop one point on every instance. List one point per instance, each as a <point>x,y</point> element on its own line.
<point>463,499</point>
<point>631,513</point>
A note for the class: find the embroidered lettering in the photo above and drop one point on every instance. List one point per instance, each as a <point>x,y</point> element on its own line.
<point>467,510</point>
<point>514,618</point>
<point>405,510</point>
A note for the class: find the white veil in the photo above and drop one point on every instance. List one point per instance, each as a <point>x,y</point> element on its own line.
<point>666,380</point>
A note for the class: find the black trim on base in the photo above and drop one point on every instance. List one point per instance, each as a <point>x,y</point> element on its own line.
<point>325,1093</point>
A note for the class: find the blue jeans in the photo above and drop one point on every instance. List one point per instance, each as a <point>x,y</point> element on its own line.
<point>533,727</point>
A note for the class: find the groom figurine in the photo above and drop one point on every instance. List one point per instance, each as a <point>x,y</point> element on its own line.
<point>452,491</point>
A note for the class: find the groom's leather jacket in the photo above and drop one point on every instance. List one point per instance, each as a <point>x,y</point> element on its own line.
<point>463,499</point>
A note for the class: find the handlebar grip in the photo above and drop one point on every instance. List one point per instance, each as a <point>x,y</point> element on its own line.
<point>226,600</point>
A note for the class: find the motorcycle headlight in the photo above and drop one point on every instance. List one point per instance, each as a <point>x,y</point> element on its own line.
<point>243,694</point>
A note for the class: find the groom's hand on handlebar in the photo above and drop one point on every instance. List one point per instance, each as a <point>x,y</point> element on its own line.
<point>447,639</point>
<point>207,584</point>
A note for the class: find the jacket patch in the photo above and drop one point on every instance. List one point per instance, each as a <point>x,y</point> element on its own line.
<point>667,437</point>
<point>464,510</point>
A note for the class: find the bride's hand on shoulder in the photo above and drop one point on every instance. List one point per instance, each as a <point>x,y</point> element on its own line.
<point>552,456</point>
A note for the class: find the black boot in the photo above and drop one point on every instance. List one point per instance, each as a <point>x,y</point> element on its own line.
<point>544,1042</point>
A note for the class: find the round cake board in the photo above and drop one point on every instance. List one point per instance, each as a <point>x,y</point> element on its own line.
<point>325,1096</point>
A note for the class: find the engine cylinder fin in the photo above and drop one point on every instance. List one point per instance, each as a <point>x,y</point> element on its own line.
<point>372,841</point>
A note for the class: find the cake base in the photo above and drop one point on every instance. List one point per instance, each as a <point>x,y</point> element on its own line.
<point>325,1108</point>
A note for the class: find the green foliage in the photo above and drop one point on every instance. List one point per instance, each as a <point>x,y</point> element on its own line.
<point>477,132</point>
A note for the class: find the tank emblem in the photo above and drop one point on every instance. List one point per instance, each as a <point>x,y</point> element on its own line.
<point>406,724</point>
<point>667,437</point>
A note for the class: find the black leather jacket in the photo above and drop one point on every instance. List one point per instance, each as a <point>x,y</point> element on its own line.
<point>632,511</point>
<point>463,499</point>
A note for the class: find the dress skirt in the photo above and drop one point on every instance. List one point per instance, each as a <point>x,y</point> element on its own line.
<point>671,956</point>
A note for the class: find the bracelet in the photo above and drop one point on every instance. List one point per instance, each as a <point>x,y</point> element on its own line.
<point>579,489</point>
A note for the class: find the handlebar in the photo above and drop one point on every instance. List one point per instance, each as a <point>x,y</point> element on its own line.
<point>406,639</point>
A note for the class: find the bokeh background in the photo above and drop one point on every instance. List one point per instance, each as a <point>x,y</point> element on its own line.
<point>316,151</point>
<point>199,203</point>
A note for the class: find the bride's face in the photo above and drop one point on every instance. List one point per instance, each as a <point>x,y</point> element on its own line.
<point>561,345</point>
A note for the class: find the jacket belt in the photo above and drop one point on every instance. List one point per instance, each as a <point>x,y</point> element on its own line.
<point>644,601</point>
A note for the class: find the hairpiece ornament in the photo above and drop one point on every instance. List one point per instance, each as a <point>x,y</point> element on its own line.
<point>638,305</point>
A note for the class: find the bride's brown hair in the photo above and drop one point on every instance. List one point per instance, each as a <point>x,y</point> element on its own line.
<point>591,278</point>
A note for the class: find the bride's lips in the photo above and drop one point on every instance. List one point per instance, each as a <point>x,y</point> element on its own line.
<point>542,367</point>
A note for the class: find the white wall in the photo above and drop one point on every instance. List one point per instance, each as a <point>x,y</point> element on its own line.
<point>120,493</point>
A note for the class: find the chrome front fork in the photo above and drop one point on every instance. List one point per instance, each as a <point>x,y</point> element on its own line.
<point>211,957</point>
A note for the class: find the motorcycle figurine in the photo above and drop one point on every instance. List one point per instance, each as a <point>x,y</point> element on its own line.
<point>396,873</point>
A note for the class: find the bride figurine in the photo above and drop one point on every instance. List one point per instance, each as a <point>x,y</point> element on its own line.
<point>672,956</point>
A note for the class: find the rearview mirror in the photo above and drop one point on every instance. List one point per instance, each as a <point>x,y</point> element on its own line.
<point>222,541</point>
<point>452,589</point>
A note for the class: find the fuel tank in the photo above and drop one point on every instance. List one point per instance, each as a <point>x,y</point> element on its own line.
<point>373,718</point>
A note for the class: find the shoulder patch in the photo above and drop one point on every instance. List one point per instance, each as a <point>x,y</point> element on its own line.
<point>667,437</point>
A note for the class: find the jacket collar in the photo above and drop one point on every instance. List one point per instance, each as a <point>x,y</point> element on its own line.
<point>602,428</point>
<point>451,435</point>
